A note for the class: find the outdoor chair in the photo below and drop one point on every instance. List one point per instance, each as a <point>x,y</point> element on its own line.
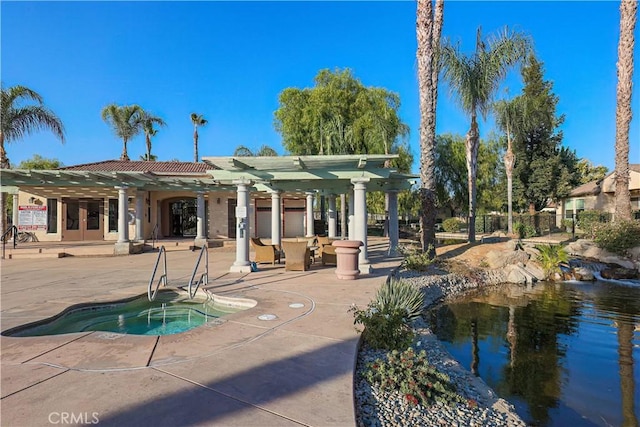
<point>265,253</point>
<point>329,254</point>
<point>297,256</point>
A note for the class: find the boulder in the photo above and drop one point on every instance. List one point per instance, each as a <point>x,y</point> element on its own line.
<point>583,274</point>
<point>619,273</point>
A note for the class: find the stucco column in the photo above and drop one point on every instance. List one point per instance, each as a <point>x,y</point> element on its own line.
<point>360,220</point>
<point>242,264</point>
<point>394,234</point>
<point>123,215</point>
<point>343,216</point>
<point>139,215</point>
<point>310,196</point>
<point>15,218</point>
<point>350,220</point>
<point>201,238</point>
<point>333,218</point>
<point>276,218</point>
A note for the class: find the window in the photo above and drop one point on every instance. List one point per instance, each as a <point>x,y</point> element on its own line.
<point>113,215</point>
<point>52,215</point>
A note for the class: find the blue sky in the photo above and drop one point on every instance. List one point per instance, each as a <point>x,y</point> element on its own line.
<point>230,60</point>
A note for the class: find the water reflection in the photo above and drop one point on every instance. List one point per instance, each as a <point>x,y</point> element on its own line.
<point>562,353</point>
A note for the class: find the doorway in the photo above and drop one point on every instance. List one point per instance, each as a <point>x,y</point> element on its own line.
<point>82,219</point>
<point>184,218</point>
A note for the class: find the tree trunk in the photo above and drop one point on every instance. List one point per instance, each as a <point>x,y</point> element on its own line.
<point>195,145</point>
<point>628,17</point>
<point>124,156</point>
<point>4,164</point>
<point>148,148</point>
<point>4,161</point>
<point>473,137</point>
<point>426,63</point>
<point>509,161</point>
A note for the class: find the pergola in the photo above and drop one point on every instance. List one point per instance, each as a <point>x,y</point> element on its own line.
<point>330,176</point>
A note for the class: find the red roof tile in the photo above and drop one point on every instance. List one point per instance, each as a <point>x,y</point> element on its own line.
<point>142,166</point>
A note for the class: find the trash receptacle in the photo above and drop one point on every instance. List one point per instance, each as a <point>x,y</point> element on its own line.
<point>347,252</point>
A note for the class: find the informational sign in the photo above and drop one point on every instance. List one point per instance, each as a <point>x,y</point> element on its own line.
<point>241,211</point>
<point>32,217</point>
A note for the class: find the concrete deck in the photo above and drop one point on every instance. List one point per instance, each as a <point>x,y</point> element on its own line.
<point>295,370</point>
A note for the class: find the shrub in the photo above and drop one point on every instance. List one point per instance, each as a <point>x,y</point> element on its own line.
<point>452,225</point>
<point>524,231</point>
<point>550,257</point>
<point>398,295</point>
<point>411,374</point>
<point>417,260</point>
<point>567,224</point>
<point>618,237</point>
<point>588,221</point>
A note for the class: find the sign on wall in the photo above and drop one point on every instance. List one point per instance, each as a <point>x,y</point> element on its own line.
<point>32,217</point>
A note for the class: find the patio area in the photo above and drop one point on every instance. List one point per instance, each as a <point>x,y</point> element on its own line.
<point>294,370</point>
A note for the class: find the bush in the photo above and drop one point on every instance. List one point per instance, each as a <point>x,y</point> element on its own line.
<point>452,225</point>
<point>386,318</point>
<point>618,237</point>
<point>550,258</point>
<point>588,221</point>
<point>524,231</point>
<point>417,260</point>
<point>413,376</point>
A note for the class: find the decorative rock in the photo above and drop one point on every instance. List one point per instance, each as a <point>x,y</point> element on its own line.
<point>583,274</point>
<point>619,273</point>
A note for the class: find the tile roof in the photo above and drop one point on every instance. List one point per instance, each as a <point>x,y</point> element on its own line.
<point>588,189</point>
<point>142,166</point>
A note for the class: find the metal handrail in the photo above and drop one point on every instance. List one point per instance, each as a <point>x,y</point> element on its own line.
<point>12,230</point>
<point>163,278</point>
<point>154,236</point>
<point>204,278</point>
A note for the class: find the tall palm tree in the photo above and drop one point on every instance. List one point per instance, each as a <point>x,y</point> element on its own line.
<point>197,120</point>
<point>509,115</point>
<point>147,121</point>
<point>125,121</point>
<point>475,80</point>
<point>18,120</point>
<point>428,30</point>
<point>628,17</point>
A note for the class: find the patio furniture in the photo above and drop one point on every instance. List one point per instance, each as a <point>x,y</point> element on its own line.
<point>265,253</point>
<point>328,252</point>
<point>297,256</point>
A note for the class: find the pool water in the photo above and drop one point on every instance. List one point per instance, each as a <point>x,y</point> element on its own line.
<point>169,314</point>
<point>562,353</point>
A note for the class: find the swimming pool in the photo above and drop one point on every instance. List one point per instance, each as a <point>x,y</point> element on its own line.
<point>170,313</point>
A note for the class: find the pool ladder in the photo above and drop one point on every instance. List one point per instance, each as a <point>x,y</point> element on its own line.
<point>192,286</point>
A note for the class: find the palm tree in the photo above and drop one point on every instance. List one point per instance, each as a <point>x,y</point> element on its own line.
<point>147,121</point>
<point>197,120</point>
<point>628,17</point>
<point>475,80</point>
<point>18,120</point>
<point>428,30</point>
<point>509,115</point>
<point>264,150</point>
<point>125,121</point>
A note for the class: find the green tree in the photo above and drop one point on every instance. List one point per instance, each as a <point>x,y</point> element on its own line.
<point>543,170</point>
<point>428,31</point>
<point>148,120</point>
<point>628,17</point>
<point>19,119</point>
<point>339,115</point>
<point>125,121</point>
<point>588,172</point>
<point>37,162</point>
<point>475,79</point>
<point>263,151</point>
<point>196,120</point>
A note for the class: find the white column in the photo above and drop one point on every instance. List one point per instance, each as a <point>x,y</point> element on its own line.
<point>343,216</point>
<point>333,217</point>
<point>139,215</point>
<point>394,234</point>
<point>276,218</point>
<point>16,212</point>
<point>360,219</point>
<point>201,216</point>
<point>123,215</point>
<point>242,264</point>
<point>310,196</point>
<point>350,221</point>
<point>214,203</point>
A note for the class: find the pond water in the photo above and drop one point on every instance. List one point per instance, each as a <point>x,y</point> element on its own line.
<point>561,353</point>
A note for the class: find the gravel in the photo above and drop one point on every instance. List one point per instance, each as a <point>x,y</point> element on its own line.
<point>383,408</point>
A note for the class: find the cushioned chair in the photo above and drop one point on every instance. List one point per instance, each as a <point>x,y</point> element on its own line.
<point>265,253</point>
<point>297,256</point>
<point>329,255</point>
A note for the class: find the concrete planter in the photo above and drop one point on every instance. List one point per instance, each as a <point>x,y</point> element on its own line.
<point>347,258</point>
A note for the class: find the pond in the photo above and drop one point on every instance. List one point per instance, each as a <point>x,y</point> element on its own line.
<point>561,353</point>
